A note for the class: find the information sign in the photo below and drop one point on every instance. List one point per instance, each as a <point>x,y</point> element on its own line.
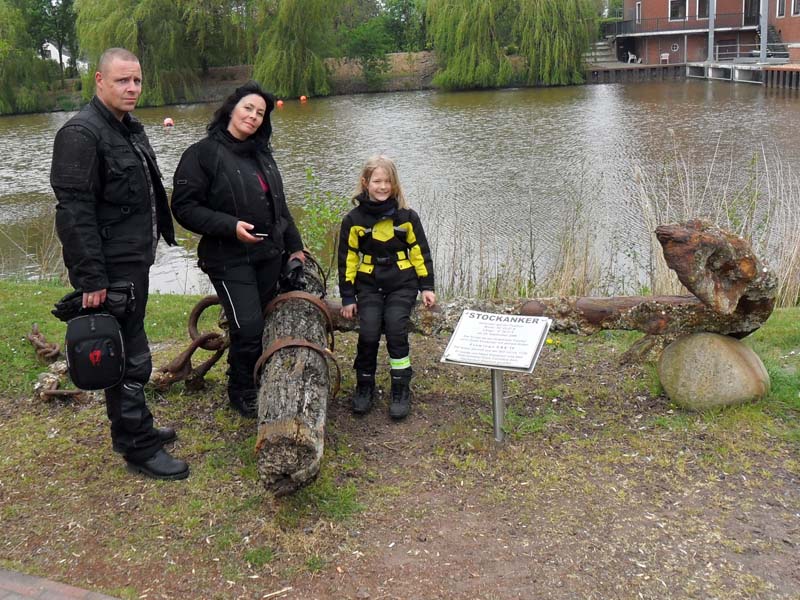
<point>497,341</point>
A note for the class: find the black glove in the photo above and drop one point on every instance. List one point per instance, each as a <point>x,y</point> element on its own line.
<point>293,277</point>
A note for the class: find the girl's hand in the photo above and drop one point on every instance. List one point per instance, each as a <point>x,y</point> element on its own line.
<point>299,255</point>
<point>428,299</point>
<point>349,311</point>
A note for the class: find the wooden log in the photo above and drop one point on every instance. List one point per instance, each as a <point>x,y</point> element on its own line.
<point>293,396</point>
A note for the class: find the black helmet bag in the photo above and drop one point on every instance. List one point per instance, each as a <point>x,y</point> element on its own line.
<point>95,351</point>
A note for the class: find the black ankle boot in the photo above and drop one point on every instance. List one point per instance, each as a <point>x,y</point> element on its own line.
<point>245,402</point>
<point>364,395</point>
<point>401,394</point>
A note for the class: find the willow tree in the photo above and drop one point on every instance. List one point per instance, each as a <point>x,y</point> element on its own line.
<point>553,35</point>
<point>291,55</point>
<point>223,32</point>
<point>155,31</point>
<point>464,35</point>
<point>23,74</point>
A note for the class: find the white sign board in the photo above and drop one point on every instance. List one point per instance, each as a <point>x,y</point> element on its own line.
<point>495,341</point>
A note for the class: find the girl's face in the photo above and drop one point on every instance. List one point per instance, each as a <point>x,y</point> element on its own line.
<point>379,186</point>
<point>247,116</point>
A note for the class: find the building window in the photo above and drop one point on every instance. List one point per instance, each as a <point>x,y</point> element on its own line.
<point>781,10</point>
<point>638,12</point>
<point>795,8</point>
<point>677,9</point>
<point>702,9</point>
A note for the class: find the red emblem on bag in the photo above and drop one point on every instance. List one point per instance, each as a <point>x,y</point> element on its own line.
<point>95,356</point>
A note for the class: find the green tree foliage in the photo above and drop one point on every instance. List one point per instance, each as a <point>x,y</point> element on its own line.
<point>154,30</point>
<point>465,38</point>
<point>368,44</point>
<point>61,32</point>
<point>406,24</point>
<point>290,59</point>
<point>35,15</point>
<point>553,36</point>
<point>23,74</point>
<point>223,33</point>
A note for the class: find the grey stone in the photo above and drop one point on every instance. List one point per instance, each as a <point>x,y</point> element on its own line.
<point>701,371</point>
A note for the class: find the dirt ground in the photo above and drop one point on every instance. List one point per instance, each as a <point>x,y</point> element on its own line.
<point>601,490</point>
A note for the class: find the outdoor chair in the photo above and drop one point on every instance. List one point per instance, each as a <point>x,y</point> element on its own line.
<point>665,57</point>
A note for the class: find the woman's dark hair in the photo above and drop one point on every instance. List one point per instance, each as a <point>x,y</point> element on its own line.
<point>222,116</point>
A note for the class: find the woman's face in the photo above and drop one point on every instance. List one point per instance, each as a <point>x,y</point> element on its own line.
<point>247,116</point>
<point>379,186</point>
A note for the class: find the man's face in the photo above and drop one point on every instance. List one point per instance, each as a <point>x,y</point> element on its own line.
<point>119,86</point>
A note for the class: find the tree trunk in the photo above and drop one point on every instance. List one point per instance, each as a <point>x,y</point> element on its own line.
<point>293,396</point>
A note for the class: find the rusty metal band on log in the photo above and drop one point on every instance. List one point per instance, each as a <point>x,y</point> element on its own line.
<point>288,342</point>
<point>315,300</point>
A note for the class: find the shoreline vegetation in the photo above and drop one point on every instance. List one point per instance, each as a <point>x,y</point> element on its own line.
<point>406,71</point>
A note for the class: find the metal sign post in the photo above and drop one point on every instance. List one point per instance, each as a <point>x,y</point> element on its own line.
<point>498,405</point>
<point>499,342</point>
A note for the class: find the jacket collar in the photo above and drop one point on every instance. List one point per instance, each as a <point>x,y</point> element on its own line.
<point>127,126</point>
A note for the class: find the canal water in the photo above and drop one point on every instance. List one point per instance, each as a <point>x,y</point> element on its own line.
<point>490,172</point>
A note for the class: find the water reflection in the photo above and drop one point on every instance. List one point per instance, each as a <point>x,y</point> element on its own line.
<point>489,170</point>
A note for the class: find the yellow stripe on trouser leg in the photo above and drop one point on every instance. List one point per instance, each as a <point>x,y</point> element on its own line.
<point>400,363</point>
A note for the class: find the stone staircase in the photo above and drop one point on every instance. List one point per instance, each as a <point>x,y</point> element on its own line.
<point>601,52</point>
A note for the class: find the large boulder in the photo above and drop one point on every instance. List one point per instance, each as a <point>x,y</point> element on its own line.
<point>706,370</point>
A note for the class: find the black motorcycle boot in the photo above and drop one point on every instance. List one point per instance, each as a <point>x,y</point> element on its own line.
<point>401,394</point>
<point>160,466</point>
<point>245,402</point>
<point>364,395</point>
<point>166,435</point>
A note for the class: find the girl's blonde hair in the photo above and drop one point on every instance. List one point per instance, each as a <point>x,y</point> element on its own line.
<point>387,164</point>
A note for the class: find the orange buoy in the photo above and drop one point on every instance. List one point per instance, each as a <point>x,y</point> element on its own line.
<point>279,103</point>
<point>303,98</point>
<point>168,122</point>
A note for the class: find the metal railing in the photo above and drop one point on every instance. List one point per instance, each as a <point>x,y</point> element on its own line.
<point>750,52</point>
<point>722,20</point>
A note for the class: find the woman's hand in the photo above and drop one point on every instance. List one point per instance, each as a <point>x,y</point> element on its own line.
<point>243,229</point>
<point>428,298</point>
<point>299,255</point>
<point>349,311</point>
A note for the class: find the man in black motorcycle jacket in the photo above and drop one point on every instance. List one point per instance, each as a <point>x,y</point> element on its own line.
<point>111,210</point>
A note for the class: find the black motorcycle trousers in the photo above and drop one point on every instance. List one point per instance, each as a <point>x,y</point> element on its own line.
<point>243,292</point>
<point>132,431</point>
<point>381,312</point>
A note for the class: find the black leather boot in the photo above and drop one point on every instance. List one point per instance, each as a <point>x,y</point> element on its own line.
<point>365,393</point>
<point>160,466</point>
<point>245,402</point>
<point>166,435</point>
<point>401,394</point>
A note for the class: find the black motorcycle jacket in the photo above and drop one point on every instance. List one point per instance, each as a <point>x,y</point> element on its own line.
<point>382,247</point>
<point>220,181</point>
<point>105,178</point>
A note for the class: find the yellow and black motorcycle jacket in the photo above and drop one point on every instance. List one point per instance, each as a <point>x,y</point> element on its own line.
<point>382,248</point>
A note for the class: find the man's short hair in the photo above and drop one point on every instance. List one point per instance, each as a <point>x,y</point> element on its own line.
<point>112,53</point>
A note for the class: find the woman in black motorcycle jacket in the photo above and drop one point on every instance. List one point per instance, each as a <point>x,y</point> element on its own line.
<point>228,189</point>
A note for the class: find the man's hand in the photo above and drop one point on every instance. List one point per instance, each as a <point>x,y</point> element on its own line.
<point>93,299</point>
<point>299,255</point>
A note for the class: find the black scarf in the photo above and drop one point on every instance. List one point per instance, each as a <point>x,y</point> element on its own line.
<point>376,209</point>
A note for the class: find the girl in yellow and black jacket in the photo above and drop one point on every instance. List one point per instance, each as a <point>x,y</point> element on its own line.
<point>384,261</point>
